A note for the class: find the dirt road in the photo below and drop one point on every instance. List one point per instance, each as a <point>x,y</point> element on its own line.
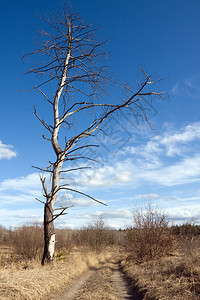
<point>103,283</point>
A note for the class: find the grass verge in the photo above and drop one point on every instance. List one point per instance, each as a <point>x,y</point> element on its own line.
<point>168,278</point>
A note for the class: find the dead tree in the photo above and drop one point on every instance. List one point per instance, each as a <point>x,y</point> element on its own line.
<point>70,65</point>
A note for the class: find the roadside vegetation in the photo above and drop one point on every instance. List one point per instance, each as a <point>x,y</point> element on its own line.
<point>160,261</point>
<point>21,273</point>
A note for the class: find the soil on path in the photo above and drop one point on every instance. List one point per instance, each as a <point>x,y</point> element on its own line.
<point>103,283</point>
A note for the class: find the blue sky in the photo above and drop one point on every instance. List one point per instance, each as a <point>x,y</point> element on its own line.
<point>137,164</point>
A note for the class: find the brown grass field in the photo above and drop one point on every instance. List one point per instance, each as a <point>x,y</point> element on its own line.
<point>170,277</point>
<point>31,281</point>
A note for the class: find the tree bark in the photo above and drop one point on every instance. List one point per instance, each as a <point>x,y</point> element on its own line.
<point>49,235</point>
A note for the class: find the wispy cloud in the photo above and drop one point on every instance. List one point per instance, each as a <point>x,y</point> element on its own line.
<point>175,142</point>
<point>7,199</point>
<point>124,214</point>
<point>183,172</point>
<point>189,87</point>
<point>169,159</point>
<point>12,218</point>
<point>148,196</point>
<point>135,165</point>
<point>169,143</point>
<point>7,151</point>
<point>68,200</point>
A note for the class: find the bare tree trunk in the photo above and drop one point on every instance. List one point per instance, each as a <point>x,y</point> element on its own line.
<point>49,234</point>
<point>49,217</point>
<point>71,58</point>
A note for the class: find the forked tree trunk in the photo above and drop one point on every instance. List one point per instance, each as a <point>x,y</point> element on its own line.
<point>49,217</point>
<point>49,235</point>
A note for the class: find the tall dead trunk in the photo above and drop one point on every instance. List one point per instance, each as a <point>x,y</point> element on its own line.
<point>71,58</point>
<point>49,234</point>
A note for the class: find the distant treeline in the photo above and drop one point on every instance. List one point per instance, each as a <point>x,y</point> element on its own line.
<point>186,229</point>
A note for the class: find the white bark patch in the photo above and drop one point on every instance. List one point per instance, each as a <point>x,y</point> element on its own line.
<point>52,245</point>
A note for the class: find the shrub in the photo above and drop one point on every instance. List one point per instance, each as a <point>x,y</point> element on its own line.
<point>96,236</point>
<point>28,241</point>
<point>150,237</point>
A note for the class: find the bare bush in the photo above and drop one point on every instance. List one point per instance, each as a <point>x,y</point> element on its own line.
<point>28,241</point>
<point>150,237</point>
<point>190,246</point>
<point>96,235</point>
<point>120,237</point>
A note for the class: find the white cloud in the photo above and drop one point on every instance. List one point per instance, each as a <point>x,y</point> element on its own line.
<point>139,173</point>
<point>26,184</point>
<point>174,142</point>
<point>6,151</point>
<point>183,214</point>
<point>106,176</point>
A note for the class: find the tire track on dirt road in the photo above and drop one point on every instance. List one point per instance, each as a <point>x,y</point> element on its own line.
<point>105,282</point>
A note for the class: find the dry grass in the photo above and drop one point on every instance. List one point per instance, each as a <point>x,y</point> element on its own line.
<point>176,277</point>
<point>29,280</point>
